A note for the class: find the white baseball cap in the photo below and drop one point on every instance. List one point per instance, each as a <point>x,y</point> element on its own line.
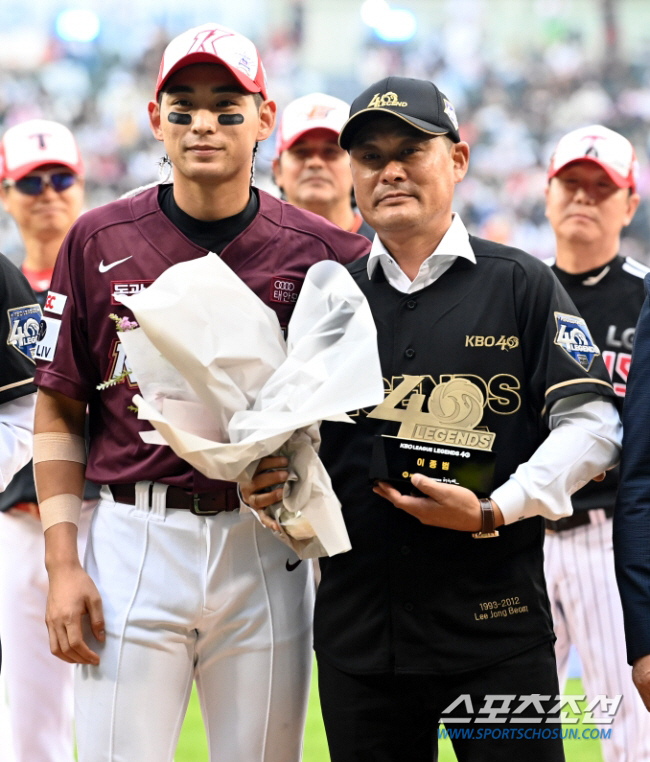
<point>213,43</point>
<point>316,111</point>
<point>30,145</point>
<point>602,146</point>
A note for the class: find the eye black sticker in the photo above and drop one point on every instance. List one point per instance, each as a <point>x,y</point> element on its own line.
<point>231,118</point>
<point>176,118</point>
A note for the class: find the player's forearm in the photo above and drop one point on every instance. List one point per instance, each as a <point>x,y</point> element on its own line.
<point>61,551</point>
<point>59,474</point>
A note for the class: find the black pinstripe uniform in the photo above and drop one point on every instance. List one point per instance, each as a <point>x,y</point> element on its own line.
<point>579,560</point>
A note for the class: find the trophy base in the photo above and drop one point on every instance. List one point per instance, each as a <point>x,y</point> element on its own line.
<point>395,460</point>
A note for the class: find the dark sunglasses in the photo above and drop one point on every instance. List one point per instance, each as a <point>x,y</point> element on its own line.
<point>34,185</point>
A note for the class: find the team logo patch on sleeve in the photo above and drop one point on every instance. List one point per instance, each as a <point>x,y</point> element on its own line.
<point>574,338</point>
<point>284,290</point>
<point>55,302</point>
<point>23,328</point>
<point>48,335</point>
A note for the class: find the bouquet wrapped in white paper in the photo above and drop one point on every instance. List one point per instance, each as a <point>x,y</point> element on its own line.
<point>223,389</point>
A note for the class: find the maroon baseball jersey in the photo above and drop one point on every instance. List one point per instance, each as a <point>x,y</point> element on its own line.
<point>121,248</point>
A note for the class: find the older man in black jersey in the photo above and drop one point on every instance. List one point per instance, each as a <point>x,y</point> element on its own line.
<point>439,611</point>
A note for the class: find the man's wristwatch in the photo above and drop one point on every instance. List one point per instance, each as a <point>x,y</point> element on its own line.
<point>487,520</point>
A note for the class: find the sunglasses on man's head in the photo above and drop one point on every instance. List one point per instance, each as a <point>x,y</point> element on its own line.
<point>35,184</point>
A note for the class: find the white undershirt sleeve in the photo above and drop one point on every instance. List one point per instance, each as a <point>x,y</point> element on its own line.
<point>585,440</point>
<point>16,436</point>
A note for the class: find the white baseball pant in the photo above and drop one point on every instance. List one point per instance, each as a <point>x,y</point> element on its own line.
<point>194,598</point>
<point>39,686</point>
<point>586,607</point>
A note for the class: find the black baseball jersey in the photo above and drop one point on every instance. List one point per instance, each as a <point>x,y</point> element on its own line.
<point>609,298</point>
<point>21,489</point>
<point>478,357</point>
<point>20,316</point>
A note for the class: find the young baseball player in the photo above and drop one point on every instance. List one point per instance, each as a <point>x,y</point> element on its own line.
<point>41,187</point>
<point>439,611</point>
<point>591,196</point>
<point>178,585</point>
<point>310,167</point>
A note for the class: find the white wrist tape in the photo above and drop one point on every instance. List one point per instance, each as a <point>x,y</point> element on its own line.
<point>53,445</point>
<point>59,508</point>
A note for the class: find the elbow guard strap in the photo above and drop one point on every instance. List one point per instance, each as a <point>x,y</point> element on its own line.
<point>54,445</point>
<point>59,508</point>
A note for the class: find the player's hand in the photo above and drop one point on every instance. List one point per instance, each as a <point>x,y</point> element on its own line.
<point>270,472</point>
<point>72,596</point>
<point>446,505</point>
<point>641,677</point>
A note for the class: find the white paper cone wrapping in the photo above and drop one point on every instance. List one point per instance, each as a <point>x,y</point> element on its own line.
<point>221,389</point>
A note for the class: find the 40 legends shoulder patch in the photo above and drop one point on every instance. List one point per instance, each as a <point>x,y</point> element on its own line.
<point>574,338</point>
<point>23,328</point>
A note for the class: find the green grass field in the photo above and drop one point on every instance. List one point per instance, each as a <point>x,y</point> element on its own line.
<point>193,746</point>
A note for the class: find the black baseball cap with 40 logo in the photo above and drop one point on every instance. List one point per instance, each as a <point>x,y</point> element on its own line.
<point>416,101</point>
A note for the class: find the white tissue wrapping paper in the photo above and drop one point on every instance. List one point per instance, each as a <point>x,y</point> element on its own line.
<point>223,389</point>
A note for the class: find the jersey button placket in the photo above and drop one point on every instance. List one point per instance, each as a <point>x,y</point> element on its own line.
<point>409,353</point>
<point>411,304</point>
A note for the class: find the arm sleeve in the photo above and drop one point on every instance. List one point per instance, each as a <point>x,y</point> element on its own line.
<point>585,440</point>
<point>632,513</point>
<point>16,436</point>
<point>63,362</point>
<point>20,317</point>
<point>560,355</point>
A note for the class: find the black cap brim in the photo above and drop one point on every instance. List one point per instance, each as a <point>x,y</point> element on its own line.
<point>364,117</point>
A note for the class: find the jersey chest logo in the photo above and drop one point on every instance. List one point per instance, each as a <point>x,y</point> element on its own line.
<point>284,290</point>
<point>23,328</point>
<point>574,338</point>
<point>126,288</point>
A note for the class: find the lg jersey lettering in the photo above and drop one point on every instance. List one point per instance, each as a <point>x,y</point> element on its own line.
<point>618,358</point>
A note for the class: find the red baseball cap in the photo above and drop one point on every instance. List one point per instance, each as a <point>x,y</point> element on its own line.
<point>316,111</point>
<point>601,146</point>
<point>32,144</point>
<point>213,43</point>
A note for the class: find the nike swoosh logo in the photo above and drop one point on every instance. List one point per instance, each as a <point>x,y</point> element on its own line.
<point>291,567</point>
<point>105,268</point>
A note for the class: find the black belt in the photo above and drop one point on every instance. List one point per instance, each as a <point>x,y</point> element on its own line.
<point>576,519</point>
<point>201,503</point>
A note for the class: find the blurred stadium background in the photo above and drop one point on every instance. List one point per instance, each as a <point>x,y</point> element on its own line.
<point>519,72</point>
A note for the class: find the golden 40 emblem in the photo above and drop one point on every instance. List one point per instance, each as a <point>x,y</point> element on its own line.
<point>387,99</point>
<point>454,410</point>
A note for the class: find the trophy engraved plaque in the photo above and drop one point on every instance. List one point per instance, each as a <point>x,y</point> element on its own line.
<point>443,442</point>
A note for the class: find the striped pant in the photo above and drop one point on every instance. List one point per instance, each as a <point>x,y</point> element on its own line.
<point>579,566</point>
